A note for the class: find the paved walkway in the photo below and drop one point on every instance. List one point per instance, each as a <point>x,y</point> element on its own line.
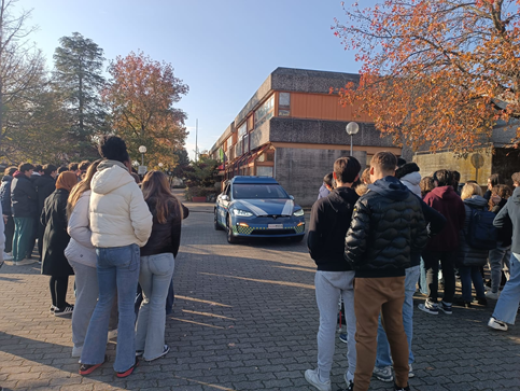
<point>245,318</point>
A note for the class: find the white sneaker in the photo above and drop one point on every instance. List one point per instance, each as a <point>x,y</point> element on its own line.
<point>314,379</point>
<point>497,325</point>
<point>492,295</point>
<point>25,262</point>
<point>8,256</point>
<point>410,371</point>
<point>383,374</point>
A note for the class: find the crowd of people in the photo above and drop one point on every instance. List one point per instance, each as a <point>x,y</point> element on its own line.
<point>118,237</point>
<point>378,235</point>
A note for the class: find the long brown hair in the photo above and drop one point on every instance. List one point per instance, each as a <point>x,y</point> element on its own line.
<point>81,187</point>
<point>156,191</point>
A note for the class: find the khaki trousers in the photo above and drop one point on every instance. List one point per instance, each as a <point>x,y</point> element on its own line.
<point>373,296</point>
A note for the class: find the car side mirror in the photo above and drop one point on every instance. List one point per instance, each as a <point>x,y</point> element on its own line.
<point>291,197</point>
<point>225,197</point>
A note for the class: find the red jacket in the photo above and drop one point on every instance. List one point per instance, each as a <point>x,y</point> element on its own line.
<point>444,200</point>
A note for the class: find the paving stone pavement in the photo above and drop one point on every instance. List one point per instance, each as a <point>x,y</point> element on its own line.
<point>245,318</point>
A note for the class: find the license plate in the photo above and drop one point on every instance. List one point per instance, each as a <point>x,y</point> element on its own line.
<point>274,226</point>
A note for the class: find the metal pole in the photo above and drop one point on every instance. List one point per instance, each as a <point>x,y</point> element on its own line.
<point>196,141</point>
<point>350,145</point>
<point>142,159</point>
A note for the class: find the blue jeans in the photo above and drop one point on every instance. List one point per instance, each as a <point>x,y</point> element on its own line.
<point>507,305</point>
<point>155,277</point>
<point>467,275</point>
<point>384,357</point>
<point>118,271</point>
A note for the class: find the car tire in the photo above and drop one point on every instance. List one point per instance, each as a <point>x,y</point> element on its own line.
<point>229,232</point>
<point>297,239</point>
<point>217,225</point>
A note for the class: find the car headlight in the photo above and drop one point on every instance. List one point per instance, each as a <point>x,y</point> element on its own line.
<point>299,213</point>
<point>243,213</point>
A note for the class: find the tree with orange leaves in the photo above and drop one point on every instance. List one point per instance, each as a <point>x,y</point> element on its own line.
<point>141,95</point>
<point>440,73</point>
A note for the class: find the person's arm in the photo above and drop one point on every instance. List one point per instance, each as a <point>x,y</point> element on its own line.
<point>140,215</point>
<point>502,219</point>
<point>314,239</point>
<point>436,220</point>
<point>176,229</point>
<point>79,225</point>
<point>357,235</point>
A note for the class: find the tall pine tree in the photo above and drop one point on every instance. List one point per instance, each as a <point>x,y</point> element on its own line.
<point>78,67</point>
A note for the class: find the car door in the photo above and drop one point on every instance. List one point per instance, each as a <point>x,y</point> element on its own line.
<point>223,204</point>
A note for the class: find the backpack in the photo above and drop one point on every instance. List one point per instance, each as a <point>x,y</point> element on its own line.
<point>481,233</point>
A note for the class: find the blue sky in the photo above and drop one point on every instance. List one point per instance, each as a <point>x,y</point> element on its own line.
<point>223,50</point>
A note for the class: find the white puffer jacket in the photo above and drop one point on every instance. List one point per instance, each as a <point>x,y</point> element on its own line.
<point>119,216</point>
<point>80,248</point>
<point>412,182</point>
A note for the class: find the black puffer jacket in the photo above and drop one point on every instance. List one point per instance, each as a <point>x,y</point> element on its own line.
<point>165,238</point>
<point>45,186</point>
<point>330,219</point>
<point>23,196</point>
<point>387,225</point>
<point>5,195</point>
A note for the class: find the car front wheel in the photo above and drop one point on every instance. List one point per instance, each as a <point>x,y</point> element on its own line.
<point>230,238</point>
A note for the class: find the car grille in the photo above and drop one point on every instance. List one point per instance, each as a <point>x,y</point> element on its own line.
<point>261,232</point>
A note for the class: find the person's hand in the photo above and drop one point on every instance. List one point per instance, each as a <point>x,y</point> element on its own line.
<point>495,199</point>
<point>6,218</point>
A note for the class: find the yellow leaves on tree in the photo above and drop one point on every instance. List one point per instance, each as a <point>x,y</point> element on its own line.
<point>440,73</point>
<point>141,94</point>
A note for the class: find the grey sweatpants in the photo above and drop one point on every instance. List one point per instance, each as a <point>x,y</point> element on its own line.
<point>329,287</point>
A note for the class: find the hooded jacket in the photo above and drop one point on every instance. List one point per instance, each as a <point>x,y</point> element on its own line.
<point>323,192</point>
<point>387,226</point>
<point>5,195</point>
<point>80,248</point>
<point>330,219</point>
<point>445,201</point>
<point>470,256</point>
<point>119,215</point>
<point>509,216</point>
<point>410,177</point>
<point>24,198</point>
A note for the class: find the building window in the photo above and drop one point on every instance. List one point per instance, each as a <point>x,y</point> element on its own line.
<point>270,156</point>
<point>264,112</point>
<point>284,104</point>
<point>264,171</point>
<point>242,130</point>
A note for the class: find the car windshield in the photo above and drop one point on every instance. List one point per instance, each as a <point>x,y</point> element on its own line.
<point>258,190</point>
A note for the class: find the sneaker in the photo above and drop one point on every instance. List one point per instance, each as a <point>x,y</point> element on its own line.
<point>497,325</point>
<point>492,295</point>
<point>343,338</point>
<point>53,308</point>
<point>429,308</point>
<point>87,369</point>
<point>25,262</point>
<point>407,388</point>
<point>139,353</point>
<point>129,371</point>
<point>63,312</point>
<point>313,378</point>
<point>8,257</point>
<point>164,353</point>
<point>383,374</point>
<point>446,308</point>
<point>410,372</point>
<point>349,380</point>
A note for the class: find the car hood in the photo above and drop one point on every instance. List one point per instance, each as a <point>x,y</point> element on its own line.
<point>264,207</point>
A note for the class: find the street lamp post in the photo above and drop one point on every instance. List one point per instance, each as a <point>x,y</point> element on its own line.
<point>352,129</point>
<point>161,166</point>
<point>142,150</point>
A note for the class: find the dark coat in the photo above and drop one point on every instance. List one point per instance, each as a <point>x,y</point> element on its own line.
<point>55,238</point>
<point>165,238</point>
<point>45,185</point>
<point>445,201</point>
<point>470,256</point>
<point>435,223</point>
<point>5,195</point>
<point>509,217</point>
<point>24,198</point>
<point>387,226</point>
<point>330,220</point>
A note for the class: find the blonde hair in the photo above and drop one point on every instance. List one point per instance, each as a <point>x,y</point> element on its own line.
<point>470,189</point>
<point>81,187</point>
